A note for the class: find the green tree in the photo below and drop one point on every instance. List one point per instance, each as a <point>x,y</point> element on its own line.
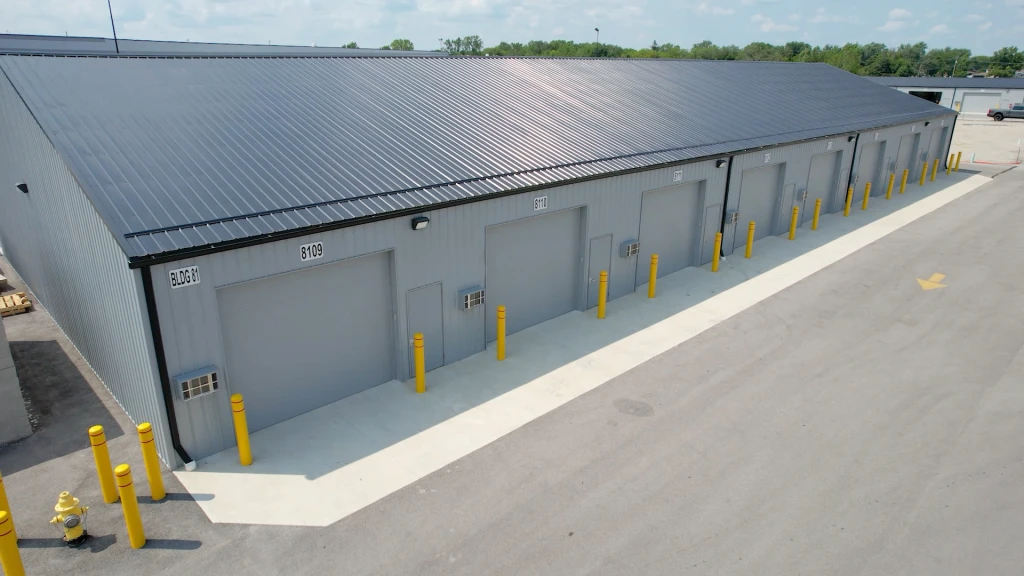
<point>401,44</point>
<point>1005,62</point>
<point>470,45</point>
<point>351,45</point>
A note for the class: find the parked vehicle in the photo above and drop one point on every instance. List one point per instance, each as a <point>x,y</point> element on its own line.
<point>1015,111</point>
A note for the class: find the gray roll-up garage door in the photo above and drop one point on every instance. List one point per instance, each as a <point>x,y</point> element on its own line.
<point>670,226</point>
<point>298,341</point>
<point>821,183</point>
<point>979,102</point>
<point>868,170</point>
<point>532,268</point>
<point>759,199</point>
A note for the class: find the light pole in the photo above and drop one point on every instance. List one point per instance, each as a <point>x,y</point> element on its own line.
<point>598,30</point>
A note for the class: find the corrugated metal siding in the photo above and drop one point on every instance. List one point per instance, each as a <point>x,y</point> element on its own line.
<point>450,250</point>
<point>891,139</point>
<point>61,247</point>
<point>181,153</point>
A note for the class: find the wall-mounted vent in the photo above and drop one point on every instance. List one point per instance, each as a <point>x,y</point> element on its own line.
<point>629,248</point>
<point>732,216</point>
<point>471,297</point>
<point>197,383</point>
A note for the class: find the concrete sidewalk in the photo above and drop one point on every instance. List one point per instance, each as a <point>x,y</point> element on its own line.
<point>318,468</point>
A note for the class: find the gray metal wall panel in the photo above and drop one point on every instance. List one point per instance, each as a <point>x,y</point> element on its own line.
<point>532,268</point>
<point>822,182</point>
<point>600,260</point>
<point>297,341</point>
<point>906,156</point>
<point>450,250</point>
<point>670,226</point>
<point>797,158</point>
<point>891,136</point>
<point>871,168</point>
<point>761,198</point>
<point>61,248</point>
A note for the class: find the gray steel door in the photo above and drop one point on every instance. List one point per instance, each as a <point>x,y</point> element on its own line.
<point>298,341</point>
<point>670,226</point>
<point>937,147</point>
<point>821,183</point>
<point>760,191</point>
<point>909,145</point>
<point>532,268</point>
<point>712,225</point>
<point>600,259</point>
<point>423,311</point>
<point>869,169</point>
<point>979,102</point>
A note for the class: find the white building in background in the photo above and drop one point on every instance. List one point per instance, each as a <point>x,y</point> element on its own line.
<point>971,96</point>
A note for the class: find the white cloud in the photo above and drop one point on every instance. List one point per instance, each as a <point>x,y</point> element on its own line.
<point>558,31</point>
<point>794,17</point>
<point>821,17</point>
<point>706,8</point>
<point>939,29</point>
<point>769,25</point>
<point>893,26</point>
<point>899,13</point>
<point>985,26</point>
<point>974,17</point>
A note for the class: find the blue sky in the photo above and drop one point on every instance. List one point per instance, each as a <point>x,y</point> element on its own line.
<point>981,25</point>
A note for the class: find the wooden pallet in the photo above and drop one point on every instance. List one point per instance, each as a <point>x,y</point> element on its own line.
<point>14,304</point>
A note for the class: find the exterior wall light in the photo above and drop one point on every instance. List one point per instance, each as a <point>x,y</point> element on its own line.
<point>721,162</point>
<point>927,123</point>
<point>22,186</point>
<point>420,223</point>
<point>850,138</point>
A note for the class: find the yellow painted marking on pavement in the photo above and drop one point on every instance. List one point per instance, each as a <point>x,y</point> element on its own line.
<point>933,282</point>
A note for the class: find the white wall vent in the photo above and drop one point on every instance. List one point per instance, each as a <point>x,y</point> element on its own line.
<point>197,383</point>
<point>629,248</point>
<point>471,297</point>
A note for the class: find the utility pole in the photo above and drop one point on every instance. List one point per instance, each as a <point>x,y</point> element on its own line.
<point>112,27</point>
<point>598,30</point>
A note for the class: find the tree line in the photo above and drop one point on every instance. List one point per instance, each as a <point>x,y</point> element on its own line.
<point>872,59</point>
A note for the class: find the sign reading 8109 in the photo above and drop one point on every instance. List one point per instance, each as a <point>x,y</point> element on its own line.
<point>311,251</point>
<point>182,277</point>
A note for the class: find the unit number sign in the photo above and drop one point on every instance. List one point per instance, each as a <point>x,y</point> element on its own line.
<point>182,277</point>
<point>311,251</point>
<point>540,203</point>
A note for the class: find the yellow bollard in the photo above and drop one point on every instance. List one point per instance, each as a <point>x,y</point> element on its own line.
<point>888,191</point>
<point>867,195</point>
<point>792,222</point>
<point>5,506</point>
<point>419,359</point>
<point>956,167</point>
<point>718,252</point>
<point>849,200</point>
<point>903,182</point>
<point>10,557</point>
<point>750,239</point>
<point>130,506</point>
<point>949,165</point>
<point>241,429</point>
<point>149,458</point>
<point>98,441</point>
<point>501,333</point>
<point>935,168</point>
<point>924,172</point>
<point>602,295</point>
<point>652,278</point>
<point>817,212</point>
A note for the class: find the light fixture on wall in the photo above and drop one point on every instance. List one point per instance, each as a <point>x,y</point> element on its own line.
<point>420,223</point>
<point>22,186</point>
<point>850,138</point>
<point>927,123</point>
<point>721,162</point>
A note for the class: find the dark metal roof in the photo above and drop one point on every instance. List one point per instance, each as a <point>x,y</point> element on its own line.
<point>181,154</point>
<point>931,82</point>
<point>88,46</point>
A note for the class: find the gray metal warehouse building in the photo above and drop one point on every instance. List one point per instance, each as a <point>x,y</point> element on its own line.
<point>281,226</point>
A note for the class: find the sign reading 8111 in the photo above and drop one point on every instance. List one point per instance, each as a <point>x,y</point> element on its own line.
<point>182,277</point>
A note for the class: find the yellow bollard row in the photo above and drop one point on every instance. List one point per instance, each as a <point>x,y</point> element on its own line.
<point>792,222</point>
<point>888,191</point>
<point>241,429</point>
<point>849,201</point>
<point>652,279</point>
<point>903,182</point>
<point>602,295</point>
<point>817,212</point>
<point>718,252</point>
<point>100,454</point>
<point>152,462</point>
<point>501,333</point>
<point>867,195</point>
<point>10,557</point>
<point>5,506</point>
<point>750,239</point>
<point>130,506</point>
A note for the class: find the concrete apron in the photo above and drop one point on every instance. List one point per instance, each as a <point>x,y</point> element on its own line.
<point>318,468</point>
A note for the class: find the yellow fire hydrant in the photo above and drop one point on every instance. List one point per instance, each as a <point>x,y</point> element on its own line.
<point>71,518</point>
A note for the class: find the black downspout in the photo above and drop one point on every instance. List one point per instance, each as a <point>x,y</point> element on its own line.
<point>725,202</point>
<point>849,183</point>
<point>161,364</point>
<point>952,130</point>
